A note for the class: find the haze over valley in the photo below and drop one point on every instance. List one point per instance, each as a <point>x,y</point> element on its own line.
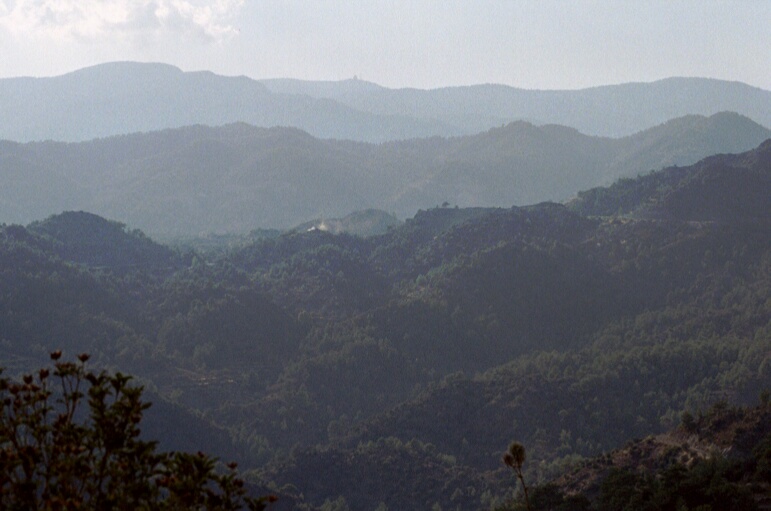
<point>238,177</point>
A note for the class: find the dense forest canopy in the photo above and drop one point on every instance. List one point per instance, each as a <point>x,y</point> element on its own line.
<point>394,369</point>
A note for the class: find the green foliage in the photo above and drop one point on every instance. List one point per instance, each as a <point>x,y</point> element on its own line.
<point>707,485</point>
<point>762,454</point>
<point>301,352</point>
<point>549,497</point>
<point>720,188</point>
<point>90,240</point>
<point>688,421</point>
<point>56,455</point>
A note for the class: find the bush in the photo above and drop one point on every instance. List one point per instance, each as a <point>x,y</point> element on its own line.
<point>54,454</point>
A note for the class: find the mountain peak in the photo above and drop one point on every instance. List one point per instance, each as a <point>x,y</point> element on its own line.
<point>124,67</point>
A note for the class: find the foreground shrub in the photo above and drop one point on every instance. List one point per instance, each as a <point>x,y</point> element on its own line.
<point>70,439</point>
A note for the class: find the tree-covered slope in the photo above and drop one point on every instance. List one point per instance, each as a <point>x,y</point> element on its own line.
<point>236,178</point>
<point>90,240</point>
<point>687,325</point>
<point>714,459</point>
<point>404,363</point>
<point>720,188</point>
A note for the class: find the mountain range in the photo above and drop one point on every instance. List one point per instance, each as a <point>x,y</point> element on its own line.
<point>565,269</point>
<point>125,97</point>
<point>238,177</point>
<point>611,110</point>
<point>392,371</point>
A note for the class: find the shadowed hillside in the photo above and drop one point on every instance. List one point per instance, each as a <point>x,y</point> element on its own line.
<point>719,188</point>
<point>393,370</point>
<point>238,178</point>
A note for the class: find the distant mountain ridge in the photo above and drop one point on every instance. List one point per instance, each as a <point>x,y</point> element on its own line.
<point>236,178</point>
<point>125,97</point>
<point>609,110</point>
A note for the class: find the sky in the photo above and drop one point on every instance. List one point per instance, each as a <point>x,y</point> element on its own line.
<point>534,44</point>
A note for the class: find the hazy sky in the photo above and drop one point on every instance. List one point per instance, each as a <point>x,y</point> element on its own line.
<point>398,43</point>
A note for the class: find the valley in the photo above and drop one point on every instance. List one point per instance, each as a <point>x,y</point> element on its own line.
<point>333,366</point>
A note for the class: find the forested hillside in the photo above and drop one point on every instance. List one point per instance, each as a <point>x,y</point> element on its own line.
<point>237,178</point>
<point>717,457</point>
<point>392,371</point>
